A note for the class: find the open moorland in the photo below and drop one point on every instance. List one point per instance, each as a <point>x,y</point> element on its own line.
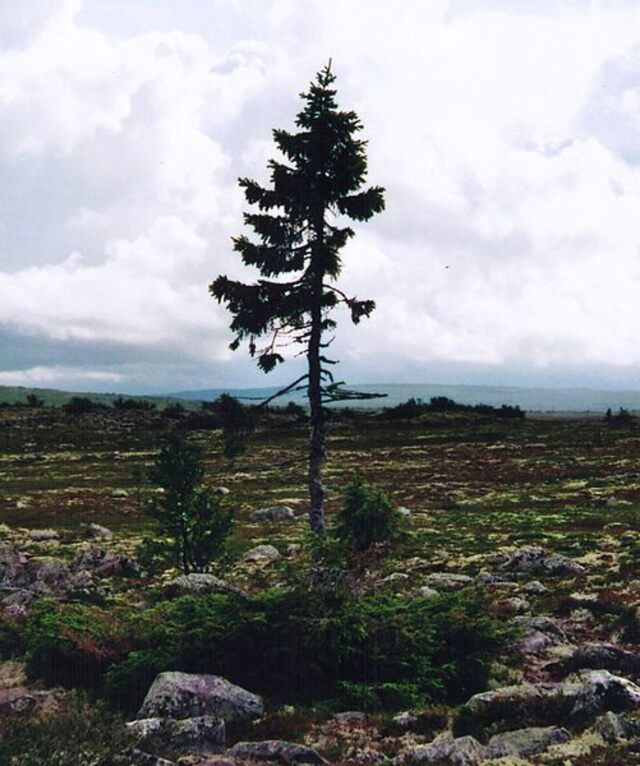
<point>499,624</point>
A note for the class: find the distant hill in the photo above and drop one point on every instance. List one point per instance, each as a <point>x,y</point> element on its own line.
<point>54,397</point>
<point>575,400</point>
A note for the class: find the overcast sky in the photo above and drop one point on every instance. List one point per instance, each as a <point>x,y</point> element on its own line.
<point>507,135</point>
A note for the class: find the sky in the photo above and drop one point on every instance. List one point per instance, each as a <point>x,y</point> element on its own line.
<point>506,134</point>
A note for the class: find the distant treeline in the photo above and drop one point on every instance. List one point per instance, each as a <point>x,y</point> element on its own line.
<point>414,408</point>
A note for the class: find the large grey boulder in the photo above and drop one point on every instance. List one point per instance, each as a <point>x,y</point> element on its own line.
<point>444,750</point>
<point>539,634</point>
<point>536,561</point>
<point>576,702</point>
<point>186,695</point>
<point>198,583</point>
<point>273,513</point>
<point>526,742</point>
<point>276,750</point>
<point>597,656</point>
<point>171,738</point>
<point>614,728</point>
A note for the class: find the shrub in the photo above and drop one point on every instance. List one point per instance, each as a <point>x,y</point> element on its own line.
<point>76,734</point>
<point>293,646</point>
<point>189,519</point>
<point>367,516</point>
<point>80,405</point>
<point>72,645</point>
<point>140,405</point>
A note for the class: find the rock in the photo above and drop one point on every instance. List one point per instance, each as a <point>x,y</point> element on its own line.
<point>140,758</point>
<point>98,532</point>
<point>393,578</point>
<point>573,702</point>
<point>404,512</point>
<point>534,642</point>
<point>185,585</point>
<point>119,494</point>
<point>351,716</point>
<point>515,605</point>
<point>104,563</point>
<point>187,695</point>
<point>447,581</point>
<point>535,588</point>
<point>11,563</point>
<point>535,560</point>
<point>597,656</point>
<point>485,578</point>
<point>444,750</point>
<point>274,513</point>
<point>43,535</point>
<point>222,491</point>
<point>614,728</point>
<point>426,592</point>
<point>293,549</point>
<point>526,742</point>
<point>171,738</point>
<point>405,720</point>
<point>276,750</point>
<point>601,692</point>
<point>262,554</point>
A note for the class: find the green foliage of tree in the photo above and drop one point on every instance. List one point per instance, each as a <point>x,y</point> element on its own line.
<point>190,522</point>
<point>367,516</point>
<point>296,250</point>
<point>293,645</point>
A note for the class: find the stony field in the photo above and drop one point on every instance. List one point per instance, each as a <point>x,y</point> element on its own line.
<point>536,520</point>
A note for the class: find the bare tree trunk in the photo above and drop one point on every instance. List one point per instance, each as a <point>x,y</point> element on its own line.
<point>317,447</point>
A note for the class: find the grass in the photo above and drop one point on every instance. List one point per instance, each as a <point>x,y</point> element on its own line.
<point>472,484</point>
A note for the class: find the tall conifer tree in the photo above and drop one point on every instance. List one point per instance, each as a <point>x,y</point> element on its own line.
<point>297,252</point>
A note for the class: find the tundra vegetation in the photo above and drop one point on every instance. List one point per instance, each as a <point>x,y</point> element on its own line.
<point>467,552</point>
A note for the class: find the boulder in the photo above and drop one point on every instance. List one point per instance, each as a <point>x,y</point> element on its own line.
<point>394,578</point>
<point>185,585</point>
<point>348,717</point>
<point>262,554</point>
<point>171,738</point>
<point>526,742</point>
<point>98,532</point>
<point>186,695</point>
<point>140,758</point>
<point>11,563</point>
<point>104,563</point>
<point>574,702</point>
<point>276,750</point>
<point>614,728</point>
<point>597,656</point>
<point>426,592</point>
<point>536,561</point>
<point>447,581</point>
<point>274,513</point>
<point>43,535</point>
<point>119,494</point>
<point>444,750</point>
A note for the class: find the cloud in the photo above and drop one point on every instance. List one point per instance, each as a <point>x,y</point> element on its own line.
<point>512,232</point>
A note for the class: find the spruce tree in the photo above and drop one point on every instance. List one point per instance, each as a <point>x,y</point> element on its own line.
<point>296,248</point>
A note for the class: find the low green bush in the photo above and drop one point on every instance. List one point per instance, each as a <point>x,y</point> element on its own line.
<point>72,645</point>
<point>292,646</point>
<point>367,516</point>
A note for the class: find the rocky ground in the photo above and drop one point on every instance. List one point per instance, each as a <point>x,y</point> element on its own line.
<point>542,517</point>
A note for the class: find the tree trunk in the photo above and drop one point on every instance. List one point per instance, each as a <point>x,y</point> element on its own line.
<point>317,447</point>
